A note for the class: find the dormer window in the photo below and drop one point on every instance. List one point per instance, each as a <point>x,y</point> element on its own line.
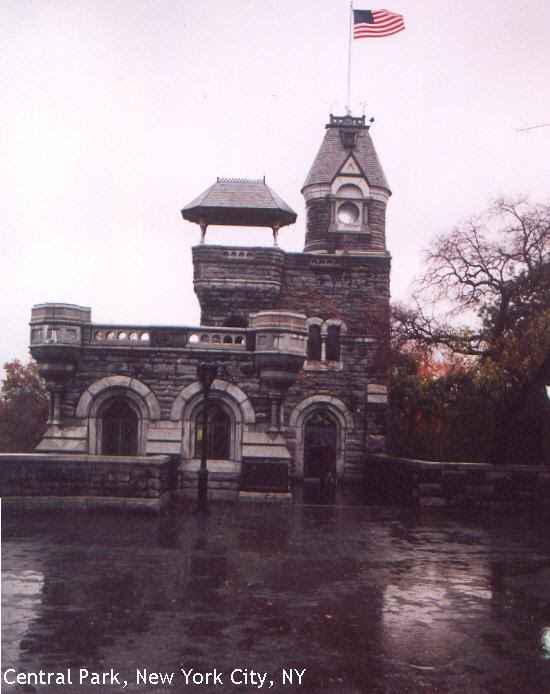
<point>349,138</point>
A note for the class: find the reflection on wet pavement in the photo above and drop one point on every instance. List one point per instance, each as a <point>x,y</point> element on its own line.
<point>366,599</point>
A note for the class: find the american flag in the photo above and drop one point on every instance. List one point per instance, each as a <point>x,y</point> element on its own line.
<point>373,23</point>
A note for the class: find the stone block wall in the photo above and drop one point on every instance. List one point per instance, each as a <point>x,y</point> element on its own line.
<point>351,289</point>
<point>459,485</point>
<point>233,282</point>
<point>355,290</point>
<point>320,237</point>
<point>165,371</point>
<point>318,211</point>
<point>83,481</point>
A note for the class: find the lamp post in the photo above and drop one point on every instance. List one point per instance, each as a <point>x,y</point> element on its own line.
<point>206,373</point>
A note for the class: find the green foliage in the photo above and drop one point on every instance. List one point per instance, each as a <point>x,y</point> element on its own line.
<point>23,407</point>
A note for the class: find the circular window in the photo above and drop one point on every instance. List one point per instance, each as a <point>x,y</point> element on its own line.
<point>348,213</point>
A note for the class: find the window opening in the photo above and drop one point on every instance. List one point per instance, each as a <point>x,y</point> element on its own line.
<point>119,429</point>
<point>314,343</point>
<point>333,343</point>
<point>219,433</point>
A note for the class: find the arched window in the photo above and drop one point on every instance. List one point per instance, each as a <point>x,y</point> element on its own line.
<point>219,433</point>
<point>333,343</point>
<point>314,343</point>
<point>119,429</point>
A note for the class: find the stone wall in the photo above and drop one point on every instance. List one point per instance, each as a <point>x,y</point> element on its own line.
<point>320,237</point>
<point>458,485</point>
<point>233,282</point>
<point>354,290</point>
<point>165,371</point>
<point>318,211</point>
<point>35,480</point>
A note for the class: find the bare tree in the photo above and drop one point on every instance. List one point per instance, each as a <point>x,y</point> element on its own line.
<point>485,293</point>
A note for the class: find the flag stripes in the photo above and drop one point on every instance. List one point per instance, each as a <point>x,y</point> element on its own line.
<point>376,23</point>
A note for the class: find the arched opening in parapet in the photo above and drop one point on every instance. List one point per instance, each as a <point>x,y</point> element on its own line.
<point>119,428</point>
<point>320,442</point>
<point>218,432</point>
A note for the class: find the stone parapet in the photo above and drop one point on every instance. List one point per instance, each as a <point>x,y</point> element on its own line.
<point>459,485</point>
<point>85,481</point>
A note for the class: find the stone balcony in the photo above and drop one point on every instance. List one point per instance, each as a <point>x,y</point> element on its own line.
<point>60,331</point>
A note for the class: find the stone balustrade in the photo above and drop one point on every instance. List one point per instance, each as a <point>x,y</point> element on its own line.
<point>57,326</point>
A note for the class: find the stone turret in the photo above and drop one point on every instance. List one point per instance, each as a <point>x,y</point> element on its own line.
<point>346,192</point>
<point>56,339</point>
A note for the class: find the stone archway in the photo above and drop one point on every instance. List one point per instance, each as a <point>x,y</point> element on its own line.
<point>102,394</point>
<point>338,413</point>
<point>232,399</point>
<point>320,438</point>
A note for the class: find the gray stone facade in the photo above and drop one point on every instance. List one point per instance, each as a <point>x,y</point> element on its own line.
<point>300,342</point>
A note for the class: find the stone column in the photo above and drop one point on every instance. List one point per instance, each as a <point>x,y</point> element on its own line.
<point>54,411</point>
<point>275,399</point>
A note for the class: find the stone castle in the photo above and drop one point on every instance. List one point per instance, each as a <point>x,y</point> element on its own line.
<point>300,341</point>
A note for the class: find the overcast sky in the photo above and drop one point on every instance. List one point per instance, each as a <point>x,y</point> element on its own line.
<point>116,113</point>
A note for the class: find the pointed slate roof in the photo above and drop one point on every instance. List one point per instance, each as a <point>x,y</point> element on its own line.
<point>239,201</point>
<point>332,154</point>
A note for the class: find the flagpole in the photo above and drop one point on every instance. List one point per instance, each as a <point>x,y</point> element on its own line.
<point>348,97</point>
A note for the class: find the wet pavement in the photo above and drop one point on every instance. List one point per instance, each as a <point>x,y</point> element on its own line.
<point>363,599</point>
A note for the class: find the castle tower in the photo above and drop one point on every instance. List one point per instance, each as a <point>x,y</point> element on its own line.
<point>300,341</point>
<point>346,192</point>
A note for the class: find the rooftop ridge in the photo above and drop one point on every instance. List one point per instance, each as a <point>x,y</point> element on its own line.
<point>240,180</point>
<point>348,120</point>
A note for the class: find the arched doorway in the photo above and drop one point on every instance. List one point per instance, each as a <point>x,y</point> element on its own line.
<point>320,436</point>
<point>119,429</point>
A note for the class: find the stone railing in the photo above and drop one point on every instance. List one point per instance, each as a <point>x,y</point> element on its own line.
<point>116,334</point>
<point>218,338</point>
<point>58,331</point>
<point>57,326</point>
<point>188,337</point>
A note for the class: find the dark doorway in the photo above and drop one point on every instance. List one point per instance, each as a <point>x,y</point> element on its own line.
<point>319,446</point>
<point>119,430</point>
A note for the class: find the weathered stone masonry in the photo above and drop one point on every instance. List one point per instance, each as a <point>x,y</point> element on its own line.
<point>300,340</point>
